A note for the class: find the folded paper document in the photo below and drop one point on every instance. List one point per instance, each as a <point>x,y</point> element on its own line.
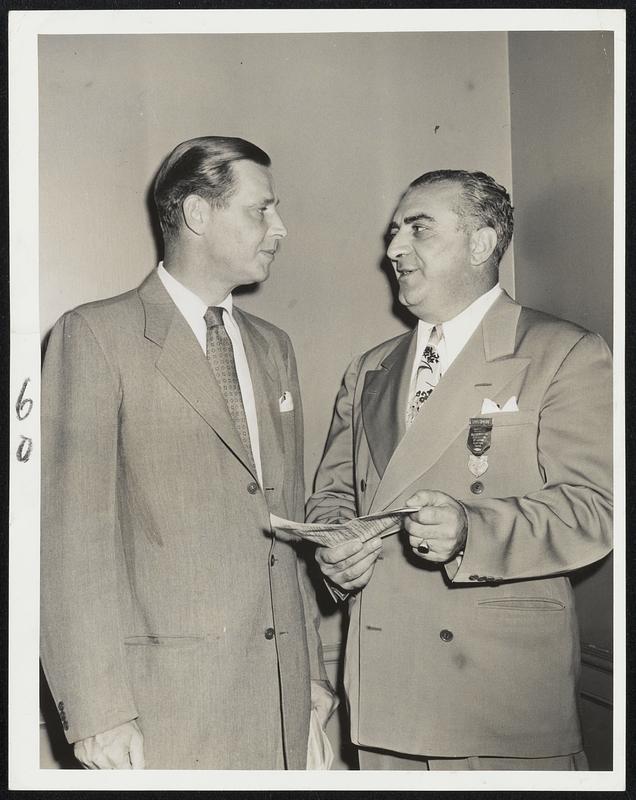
<point>329,535</point>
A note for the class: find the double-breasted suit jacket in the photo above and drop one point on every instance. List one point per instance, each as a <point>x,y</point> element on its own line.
<point>164,596</point>
<point>482,659</point>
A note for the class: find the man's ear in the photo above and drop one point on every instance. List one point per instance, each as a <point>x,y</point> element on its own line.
<point>482,245</point>
<point>195,212</point>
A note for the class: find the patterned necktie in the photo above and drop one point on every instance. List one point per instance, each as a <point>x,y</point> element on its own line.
<point>428,374</point>
<point>220,354</point>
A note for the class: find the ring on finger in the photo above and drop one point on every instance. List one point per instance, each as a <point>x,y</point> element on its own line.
<point>423,547</point>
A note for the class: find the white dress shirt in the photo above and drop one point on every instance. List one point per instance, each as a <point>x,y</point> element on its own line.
<point>193,311</point>
<point>456,333</point>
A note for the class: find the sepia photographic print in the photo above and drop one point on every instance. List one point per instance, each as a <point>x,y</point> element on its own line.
<point>315,437</point>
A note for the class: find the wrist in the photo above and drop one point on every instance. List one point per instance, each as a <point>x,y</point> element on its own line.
<point>463,534</point>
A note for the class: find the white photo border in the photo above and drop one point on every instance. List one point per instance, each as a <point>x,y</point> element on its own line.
<point>24,29</point>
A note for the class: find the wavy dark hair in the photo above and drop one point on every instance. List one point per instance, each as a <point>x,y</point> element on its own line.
<point>200,166</point>
<point>483,203</point>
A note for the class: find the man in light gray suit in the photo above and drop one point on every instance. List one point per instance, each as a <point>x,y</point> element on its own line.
<point>177,633</point>
<point>494,421</point>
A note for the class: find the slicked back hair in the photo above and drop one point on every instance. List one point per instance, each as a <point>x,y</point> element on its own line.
<point>483,203</point>
<point>200,166</point>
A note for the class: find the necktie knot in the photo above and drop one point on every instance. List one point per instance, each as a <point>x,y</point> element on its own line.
<point>213,316</point>
<point>435,336</point>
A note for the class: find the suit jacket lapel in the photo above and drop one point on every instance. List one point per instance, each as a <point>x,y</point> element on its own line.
<point>266,383</point>
<point>184,365</point>
<point>384,400</point>
<point>482,369</point>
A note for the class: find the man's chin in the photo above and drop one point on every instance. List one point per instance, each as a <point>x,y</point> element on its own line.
<point>260,273</point>
<point>407,302</point>
<point>416,307</point>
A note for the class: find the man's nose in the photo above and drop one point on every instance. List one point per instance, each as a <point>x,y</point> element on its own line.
<point>277,228</point>
<point>398,246</point>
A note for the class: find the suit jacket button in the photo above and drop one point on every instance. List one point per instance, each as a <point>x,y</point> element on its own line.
<point>252,487</point>
<point>446,636</point>
<point>269,633</point>
<point>477,487</point>
<point>473,577</point>
<point>60,705</point>
<point>363,485</point>
<point>272,560</point>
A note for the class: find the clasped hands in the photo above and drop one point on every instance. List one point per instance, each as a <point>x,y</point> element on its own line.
<point>437,533</point>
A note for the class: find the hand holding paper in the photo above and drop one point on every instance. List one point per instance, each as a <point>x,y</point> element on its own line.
<point>349,565</point>
<point>329,535</point>
<point>440,525</point>
<point>349,549</point>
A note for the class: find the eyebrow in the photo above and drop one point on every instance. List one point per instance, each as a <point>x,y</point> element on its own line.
<point>413,218</point>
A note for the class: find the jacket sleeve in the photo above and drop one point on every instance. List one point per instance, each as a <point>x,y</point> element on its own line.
<point>568,522</point>
<point>81,641</point>
<point>334,499</point>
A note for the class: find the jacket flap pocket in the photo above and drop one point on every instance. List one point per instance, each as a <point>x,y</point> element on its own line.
<point>162,640</point>
<point>523,603</point>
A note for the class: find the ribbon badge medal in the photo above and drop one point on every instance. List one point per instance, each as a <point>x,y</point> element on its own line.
<point>479,444</point>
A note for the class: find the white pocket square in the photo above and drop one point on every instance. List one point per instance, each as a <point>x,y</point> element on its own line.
<point>490,407</point>
<point>285,402</point>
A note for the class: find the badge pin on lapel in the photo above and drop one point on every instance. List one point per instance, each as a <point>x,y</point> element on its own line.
<point>479,435</point>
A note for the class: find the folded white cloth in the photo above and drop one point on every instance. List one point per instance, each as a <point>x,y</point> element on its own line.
<point>490,407</point>
<point>286,402</point>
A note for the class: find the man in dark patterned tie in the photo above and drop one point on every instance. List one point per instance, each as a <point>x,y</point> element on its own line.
<point>494,421</point>
<point>176,632</point>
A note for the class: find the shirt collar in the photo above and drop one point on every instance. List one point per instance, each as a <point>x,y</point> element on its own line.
<point>457,331</point>
<point>471,316</point>
<point>188,303</point>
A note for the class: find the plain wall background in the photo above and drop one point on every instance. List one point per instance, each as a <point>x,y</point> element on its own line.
<point>562,92</point>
